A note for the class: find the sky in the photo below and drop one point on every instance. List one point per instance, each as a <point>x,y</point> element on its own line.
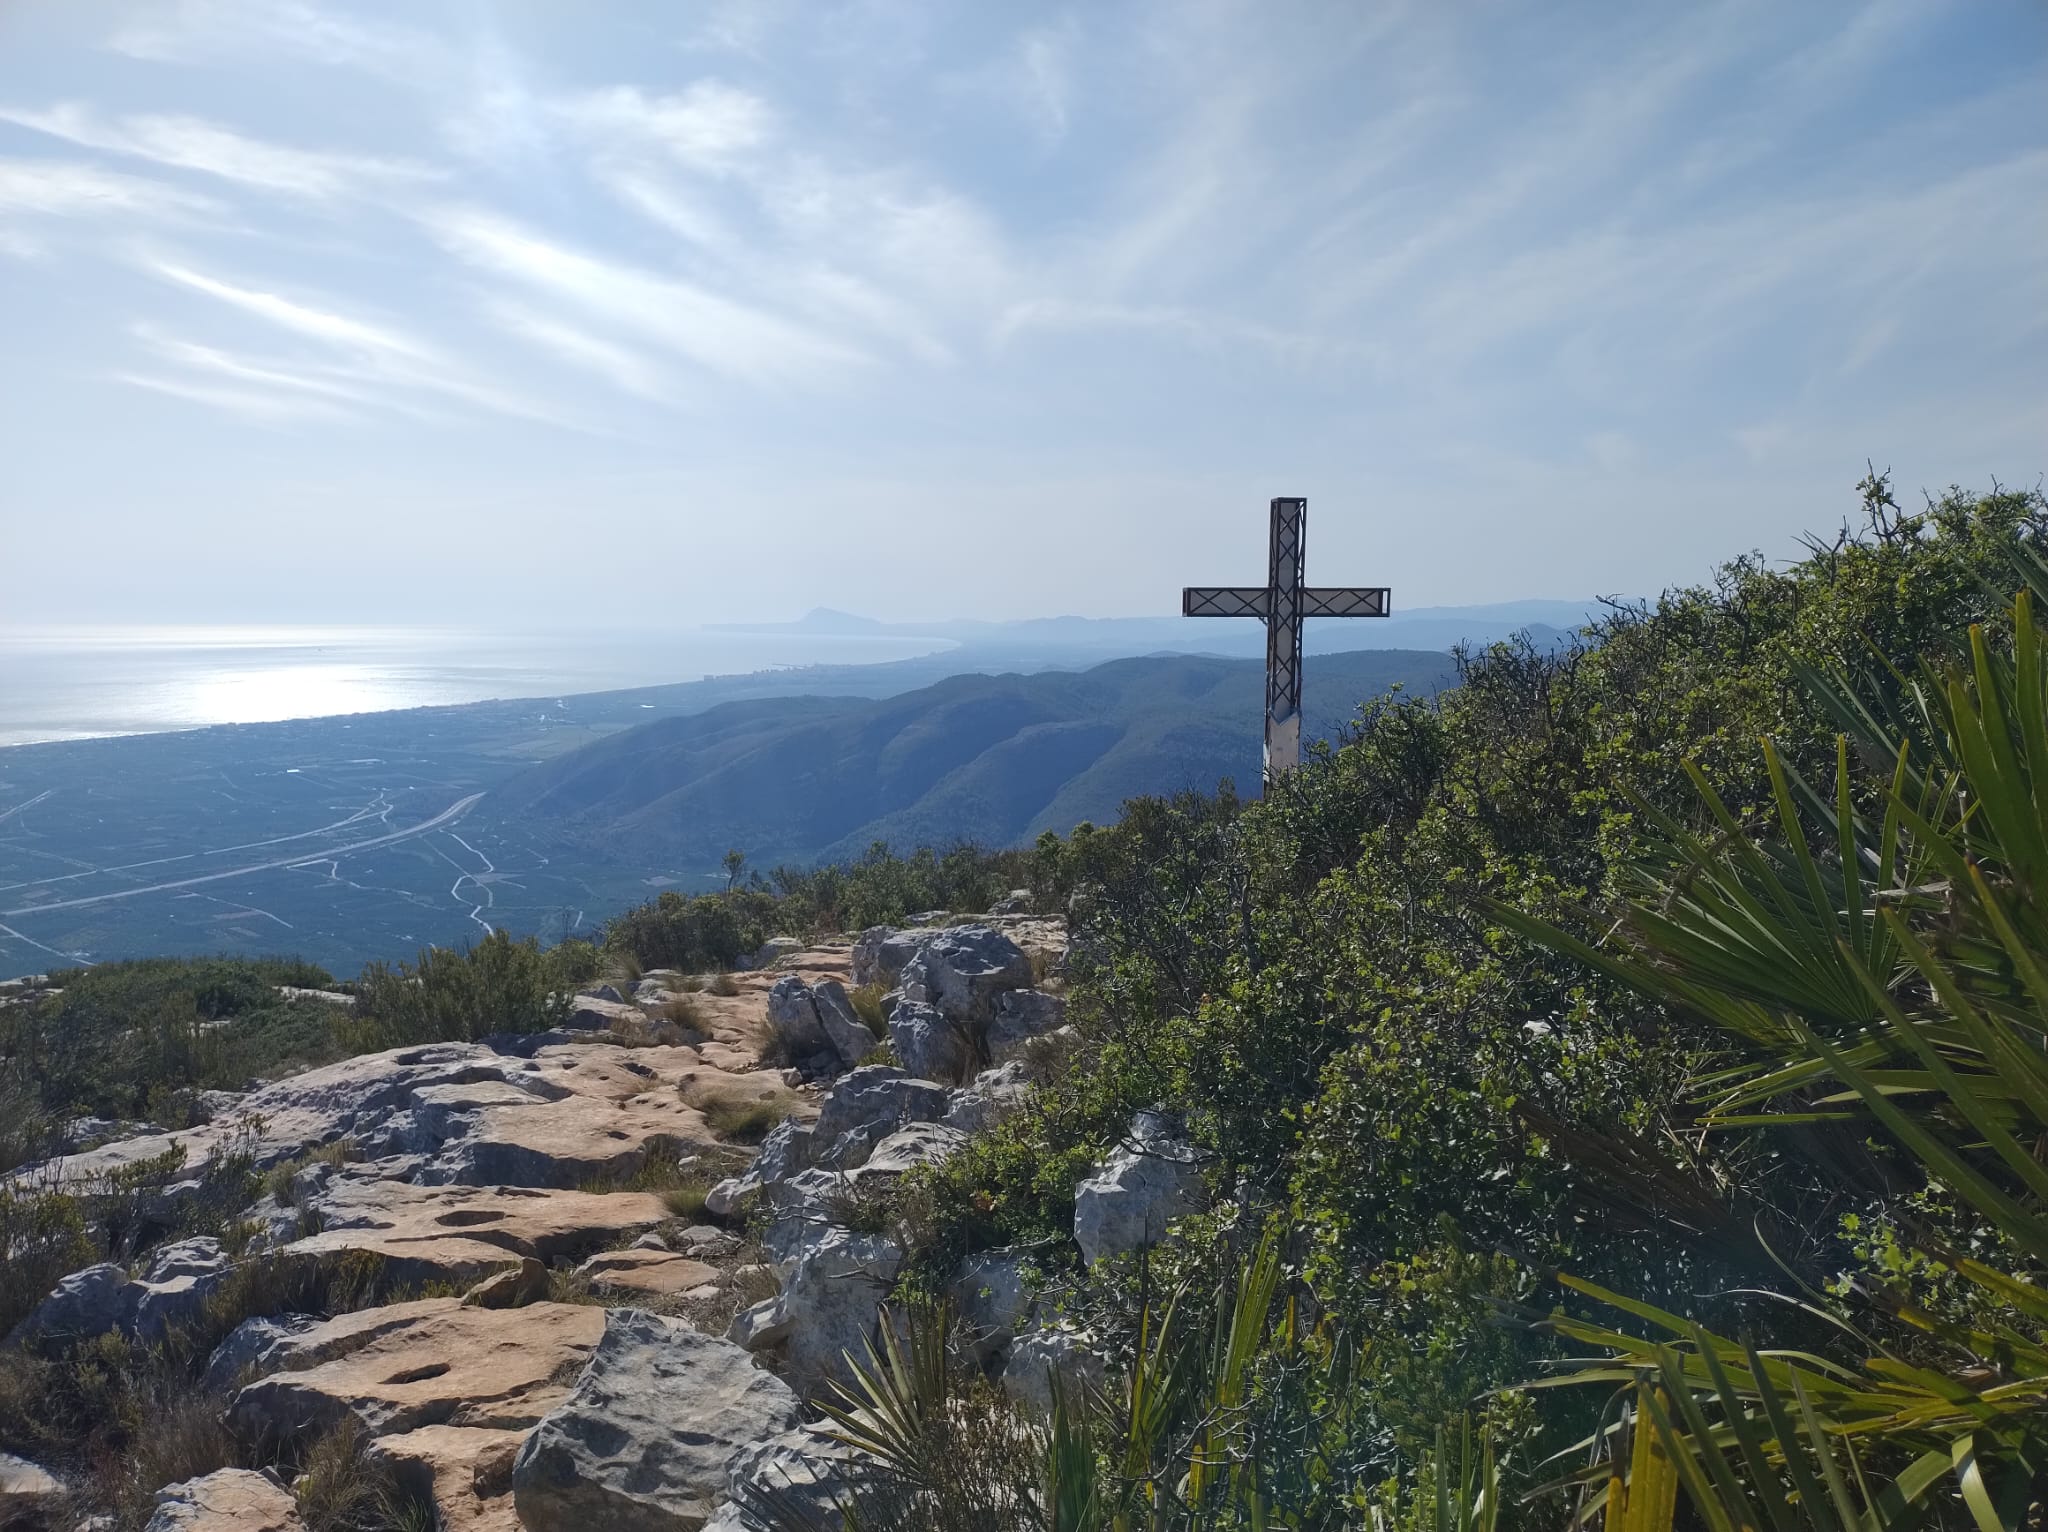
<point>541,315</point>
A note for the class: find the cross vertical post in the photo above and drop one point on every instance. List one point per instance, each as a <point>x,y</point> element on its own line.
<point>1283,638</point>
<point>1282,604</point>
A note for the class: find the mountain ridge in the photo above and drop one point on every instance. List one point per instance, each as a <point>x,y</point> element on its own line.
<point>990,758</point>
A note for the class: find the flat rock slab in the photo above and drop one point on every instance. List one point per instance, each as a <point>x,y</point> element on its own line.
<point>231,1500</point>
<point>659,1273</point>
<point>458,1233</point>
<point>432,1363</point>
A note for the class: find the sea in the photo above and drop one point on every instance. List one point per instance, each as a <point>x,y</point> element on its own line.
<point>60,683</point>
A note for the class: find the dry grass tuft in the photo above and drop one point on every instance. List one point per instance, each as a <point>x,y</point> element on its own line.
<point>723,985</point>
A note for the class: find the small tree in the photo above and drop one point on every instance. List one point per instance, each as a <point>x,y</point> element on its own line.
<point>735,863</point>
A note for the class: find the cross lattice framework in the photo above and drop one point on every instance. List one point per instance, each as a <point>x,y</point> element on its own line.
<point>1282,604</point>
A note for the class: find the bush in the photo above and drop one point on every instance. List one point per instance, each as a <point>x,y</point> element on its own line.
<point>498,985</point>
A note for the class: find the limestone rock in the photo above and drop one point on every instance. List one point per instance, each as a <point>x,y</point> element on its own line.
<point>27,1491</point>
<point>590,1014</point>
<point>993,1095</point>
<point>805,1470</point>
<point>175,1286</point>
<point>1040,1356</point>
<point>512,1288</point>
<point>253,1349</point>
<point>433,1362</point>
<point>850,1036</point>
<point>229,1500</point>
<point>877,1093</point>
<point>774,950</point>
<point>1022,1015</point>
<point>83,1305</point>
<point>963,970</point>
<point>881,953</point>
<point>927,1043</point>
<point>785,1151</point>
<point>461,1233</point>
<point>606,992</point>
<point>991,1298</point>
<point>1129,1199</point>
<point>793,1017</point>
<point>834,1281</point>
<point>655,1272</point>
<point>645,1441</point>
<point>1017,902</point>
<point>913,1145</point>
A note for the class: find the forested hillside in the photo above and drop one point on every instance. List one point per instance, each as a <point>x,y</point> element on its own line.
<point>989,759</point>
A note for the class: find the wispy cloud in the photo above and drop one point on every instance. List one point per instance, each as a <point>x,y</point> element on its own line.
<point>64,189</point>
<point>717,333</point>
<point>190,143</point>
<point>266,406</point>
<point>377,355</point>
<point>621,366</point>
<point>212,31</point>
<point>709,125</point>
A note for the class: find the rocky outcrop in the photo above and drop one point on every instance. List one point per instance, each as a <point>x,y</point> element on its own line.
<point>793,1018</point>
<point>805,1470</point>
<point>927,1043</point>
<point>1022,1015</point>
<point>460,1233</point>
<point>990,1097</point>
<point>881,953</point>
<point>963,970</point>
<point>83,1305</point>
<point>230,1500</point>
<point>992,1296</point>
<point>431,1362</point>
<point>878,1093</point>
<point>1128,1201</point>
<point>1036,1359</point>
<point>645,1441</point>
<point>657,1273</point>
<point>255,1348</point>
<point>852,1039</point>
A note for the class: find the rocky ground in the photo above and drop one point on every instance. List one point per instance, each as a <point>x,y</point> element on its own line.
<point>626,1304</point>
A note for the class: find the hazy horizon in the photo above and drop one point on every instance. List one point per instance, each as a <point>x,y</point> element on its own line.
<point>360,312</point>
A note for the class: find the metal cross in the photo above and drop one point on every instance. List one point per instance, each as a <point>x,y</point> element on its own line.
<point>1282,605</point>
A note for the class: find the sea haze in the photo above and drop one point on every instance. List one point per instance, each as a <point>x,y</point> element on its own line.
<point>65,683</point>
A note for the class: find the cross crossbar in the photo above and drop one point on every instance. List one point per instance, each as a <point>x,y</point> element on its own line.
<point>1257,601</point>
<point>1283,603</point>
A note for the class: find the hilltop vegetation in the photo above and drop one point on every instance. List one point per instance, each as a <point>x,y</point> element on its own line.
<point>1660,1016</point>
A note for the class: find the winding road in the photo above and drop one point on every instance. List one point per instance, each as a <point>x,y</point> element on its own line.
<point>447,816</point>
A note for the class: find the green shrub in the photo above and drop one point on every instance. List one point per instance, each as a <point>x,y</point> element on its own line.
<point>449,995</point>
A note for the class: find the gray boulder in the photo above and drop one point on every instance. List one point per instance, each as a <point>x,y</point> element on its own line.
<point>992,1095</point>
<point>85,1305</point>
<point>911,1146</point>
<point>991,1298</point>
<point>963,970</point>
<point>804,1470</point>
<point>786,1150</point>
<point>1038,1357</point>
<point>644,1442</point>
<point>774,950</point>
<point>880,953</point>
<point>877,1093</point>
<point>833,1289</point>
<point>793,1017</point>
<point>254,1349</point>
<point>926,1043</point>
<point>606,992</point>
<point>1022,1015</point>
<point>1129,1199</point>
<point>850,1036</point>
<point>175,1287</point>
<point>1017,902</point>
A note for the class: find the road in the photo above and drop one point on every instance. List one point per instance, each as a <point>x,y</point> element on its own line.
<point>447,816</point>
